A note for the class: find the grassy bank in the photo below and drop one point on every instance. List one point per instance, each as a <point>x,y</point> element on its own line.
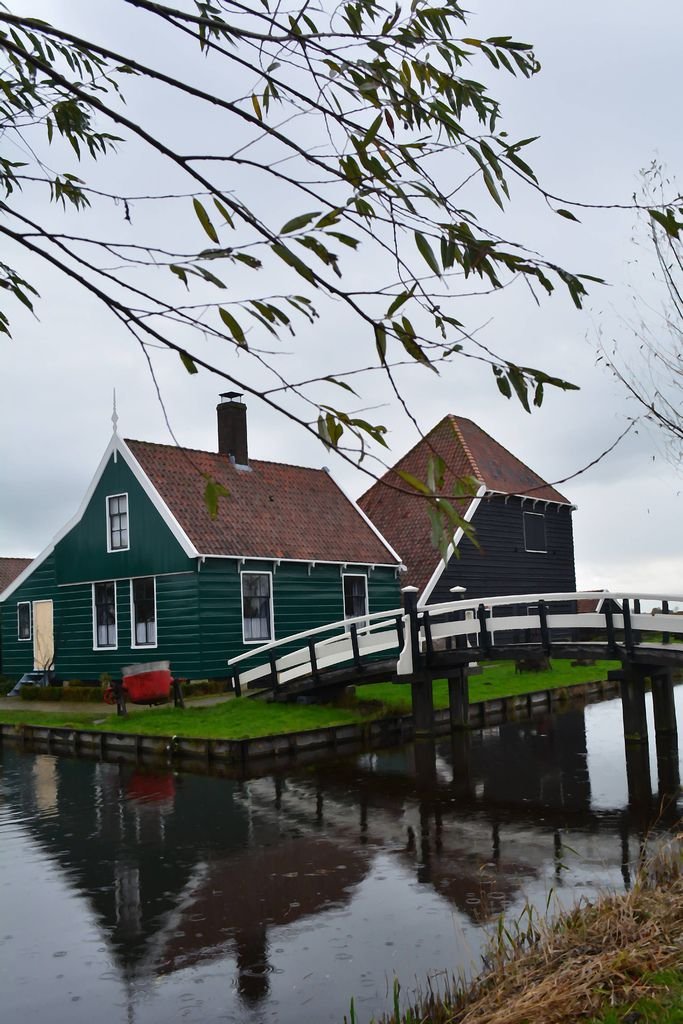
<point>243,719</point>
<point>498,679</point>
<point>235,719</point>
<point>617,960</point>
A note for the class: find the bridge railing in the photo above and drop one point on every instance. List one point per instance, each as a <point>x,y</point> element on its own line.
<point>469,624</point>
<point>354,638</point>
<point>472,623</point>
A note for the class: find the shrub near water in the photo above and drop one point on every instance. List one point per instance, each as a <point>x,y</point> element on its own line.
<point>619,959</point>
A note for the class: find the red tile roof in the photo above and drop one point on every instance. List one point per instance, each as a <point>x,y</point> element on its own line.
<point>468,451</point>
<point>10,568</point>
<point>273,510</point>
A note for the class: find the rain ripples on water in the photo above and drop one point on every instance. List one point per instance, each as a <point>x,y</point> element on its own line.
<point>147,895</point>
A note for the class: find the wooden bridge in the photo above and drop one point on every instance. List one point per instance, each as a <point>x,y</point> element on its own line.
<point>415,645</point>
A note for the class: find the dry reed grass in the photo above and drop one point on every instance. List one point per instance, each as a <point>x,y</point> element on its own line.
<point>592,957</point>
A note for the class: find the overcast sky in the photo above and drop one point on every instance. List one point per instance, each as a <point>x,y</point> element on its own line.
<point>606,103</point>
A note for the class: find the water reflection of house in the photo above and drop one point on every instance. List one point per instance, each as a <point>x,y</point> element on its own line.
<point>268,887</point>
<point>183,869</point>
<point>179,869</point>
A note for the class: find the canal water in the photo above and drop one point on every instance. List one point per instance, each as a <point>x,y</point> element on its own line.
<point>131,894</point>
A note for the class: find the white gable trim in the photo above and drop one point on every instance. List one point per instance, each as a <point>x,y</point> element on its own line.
<point>531,497</point>
<point>368,522</point>
<point>436,575</point>
<point>158,502</point>
<point>115,446</point>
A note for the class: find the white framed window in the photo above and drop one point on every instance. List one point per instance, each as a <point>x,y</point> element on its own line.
<point>24,621</point>
<point>355,587</point>
<point>118,536</point>
<point>534,532</point>
<point>143,612</point>
<point>257,607</point>
<point>104,626</point>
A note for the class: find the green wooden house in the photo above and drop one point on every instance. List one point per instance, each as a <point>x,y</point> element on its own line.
<point>143,573</point>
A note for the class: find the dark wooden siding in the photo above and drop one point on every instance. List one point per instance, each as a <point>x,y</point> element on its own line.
<point>501,566</point>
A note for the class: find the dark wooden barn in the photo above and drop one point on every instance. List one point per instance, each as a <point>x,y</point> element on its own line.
<point>523,525</point>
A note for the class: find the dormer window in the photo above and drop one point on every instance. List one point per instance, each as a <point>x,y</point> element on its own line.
<point>117,522</point>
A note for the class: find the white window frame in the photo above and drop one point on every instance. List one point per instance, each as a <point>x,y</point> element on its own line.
<point>122,494</point>
<point>537,551</point>
<point>20,638</point>
<point>363,576</point>
<point>133,643</point>
<point>257,572</point>
<point>95,645</point>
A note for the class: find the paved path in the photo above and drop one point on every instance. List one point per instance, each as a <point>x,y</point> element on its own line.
<point>66,707</point>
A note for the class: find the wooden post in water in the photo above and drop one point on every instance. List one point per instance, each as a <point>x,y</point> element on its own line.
<point>638,774</point>
<point>666,732</point>
<point>663,700</point>
<point>458,699</point>
<point>632,687</point>
<point>460,758</point>
<point>423,707</point>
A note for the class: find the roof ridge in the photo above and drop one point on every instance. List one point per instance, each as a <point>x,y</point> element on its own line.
<point>542,480</point>
<point>466,448</point>
<point>392,470</point>
<point>205,451</point>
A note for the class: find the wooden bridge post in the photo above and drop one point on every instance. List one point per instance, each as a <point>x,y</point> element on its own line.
<point>423,707</point>
<point>420,684</point>
<point>458,699</point>
<point>666,732</point>
<point>663,701</point>
<point>632,687</point>
<point>638,774</point>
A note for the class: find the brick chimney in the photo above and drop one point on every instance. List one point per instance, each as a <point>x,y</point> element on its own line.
<point>232,427</point>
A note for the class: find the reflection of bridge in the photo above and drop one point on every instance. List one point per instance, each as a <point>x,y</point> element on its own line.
<point>416,645</point>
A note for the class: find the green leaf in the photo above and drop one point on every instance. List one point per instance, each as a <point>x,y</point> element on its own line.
<point>518,381</point>
<point>427,253</point>
<point>222,209</point>
<point>412,481</point>
<point>341,384</point>
<point>233,326</point>
<point>179,272</point>
<point>212,492</point>
<point>381,342</point>
<point>399,301</point>
<point>667,221</point>
<point>299,222</point>
<point>568,215</point>
<point>288,257</point>
<point>257,107</point>
<point>205,220</point>
<point>188,362</point>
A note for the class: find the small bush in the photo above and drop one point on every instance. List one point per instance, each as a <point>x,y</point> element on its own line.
<point>6,685</point>
<point>203,687</point>
<point>80,694</point>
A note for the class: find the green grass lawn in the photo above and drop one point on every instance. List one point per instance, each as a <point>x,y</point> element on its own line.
<point>663,1006</point>
<point>241,719</point>
<point>498,679</point>
<point>235,719</point>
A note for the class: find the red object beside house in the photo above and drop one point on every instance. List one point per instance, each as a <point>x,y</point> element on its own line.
<point>145,683</point>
